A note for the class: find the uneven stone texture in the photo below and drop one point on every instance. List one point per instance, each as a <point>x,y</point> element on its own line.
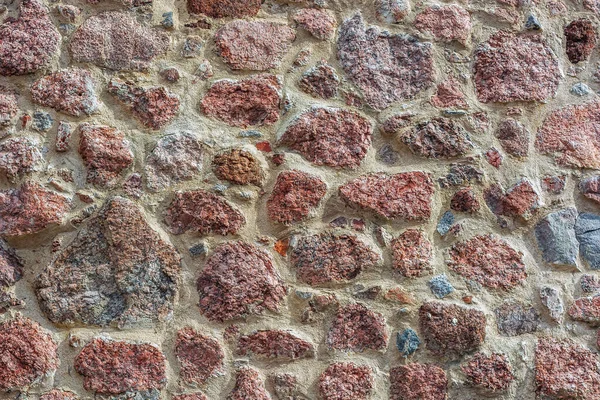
<point>319,23</point>
<point>405,196</point>
<point>8,107</point>
<point>465,200</point>
<point>551,299</point>
<point>224,8</point>
<point>248,385</point>
<point>515,68</point>
<point>274,344</point>
<point>57,394</point>
<point>320,81</point>
<point>513,137</point>
<point>238,166</point>
<point>11,267</point>
<point>117,41</point>
<point>203,212</point>
<point>450,330</point>
<point>418,382</point>
<point>407,342</point>
<point>356,328</point>
<point>238,279</point>
<point>253,45</point>
<point>329,136</point>
<point>437,138</point>
<point>586,309</point>
<point>191,396</point>
<point>491,372</point>
<point>346,381</point>
<point>515,319</point>
<point>445,23</point>
<point>248,102</point>
<point>412,253</point>
<point>200,356</point>
<point>555,235</point>
<point>580,38</point>
<point>521,200</point>
<point>69,91</point>
<point>285,386</point>
<point>587,232</point>
<point>331,258</point>
<point>295,195</point>
<point>117,270</point>
<point>590,188</point>
<point>19,156</point>
<point>28,42</point>
<point>115,367</point>
<point>387,68</point>
<point>28,353</point>
<point>449,94</point>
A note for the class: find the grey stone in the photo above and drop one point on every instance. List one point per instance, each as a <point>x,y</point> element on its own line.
<point>580,89</point>
<point>551,299</point>
<point>555,235</point>
<point>407,342</point>
<point>440,286</point>
<point>514,319</point>
<point>446,222</point>
<point>587,231</point>
<point>42,121</point>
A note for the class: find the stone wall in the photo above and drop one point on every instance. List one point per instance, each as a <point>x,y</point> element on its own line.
<point>299,199</point>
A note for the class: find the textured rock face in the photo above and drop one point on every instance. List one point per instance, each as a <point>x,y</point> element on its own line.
<point>117,270</point>
<point>513,137</point>
<point>224,8</point>
<point>274,344</point>
<point>239,167</point>
<point>387,68</point>
<point>580,38</point>
<point>8,108</point>
<point>515,68</point>
<point>356,328</point>
<point>438,138</point>
<point>28,42</point>
<point>521,200</point>
<point>69,91</point>
<point>491,372</point>
<point>57,394</point>
<point>465,200</point>
<point>295,195</point>
<point>445,23</point>
<point>319,23</point>
<point>248,385</point>
<point>19,156</point>
<point>320,81</point>
<point>513,319</point>
<point>200,356</point>
<point>11,267</point>
<point>555,235</point>
<point>346,381</point>
<point>418,382</point>
<point>449,94</point>
<point>412,253</point>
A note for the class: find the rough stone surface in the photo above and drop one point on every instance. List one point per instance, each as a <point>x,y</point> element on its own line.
<point>449,94</point>
<point>356,328</point>
<point>239,167</point>
<point>445,23</point>
<point>521,200</point>
<point>407,342</point>
<point>437,138</point>
<point>586,309</point>
<point>11,267</point>
<point>587,232</point>
<point>224,8</point>
<point>551,299</point>
<point>58,394</point>
<point>274,344</point>
<point>248,385</point>
<point>8,108</point>
<point>346,381</point>
<point>199,356</point>
<point>580,38</point>
<point>465,200</point>
<point>555,235</point>
<point>491,372</point>
<point>320,81</point>
<point>412,253</point>
<point>513,319</point>
<point>295,195</point>
<point>590,188</point>
<point>392,11</point>
<point>319,23</point>
<point>513,137</point>
<point>418,382</point>
<point>19,156</point>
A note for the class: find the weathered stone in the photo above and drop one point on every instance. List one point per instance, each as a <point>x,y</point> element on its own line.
<point>566,370</point>
<point>555,235</point>
<point>587,232</point>
<point>580,38</point>
<point>63,137</point>
<point>513,319</point>
<point>285,387</point>
<point>437,138</point>
<point>70,91</point>
<point>28,42</point>
<point>200,356</point>
<point>460,174</point>
<point>170,74</point>
<point>175,158</point>
<point>440,286</point>
<point>449,94</point>
<point>554,184</point>
<point>190,396</point>
<point>418,382</point>
<point>295,196</point>
<point>589,284</point>
<point>405,196</point>
<point>253,45</point>
<point>19,156</point>
<point>8,107</point>
<point>586,309</point>
<point>550,298</point>
<point>491,372</point>
<point>248,385</point>
<point>513,137</point>
<point>387,68</point>
<point>275,344</point>
<point>248,102</point>
<point>319,23</point>
<point>238,279</point>
<point>590,188</point>
<point>392,11</point>
<point>489,261</point>
<point>515,68</point>
<point>30,209</point>
<point>445,23</point>
<point>521,200</point>
<point>105,153</point>
<point>58,394</point>
<point>465,200</point>
<point>320,81</point>
<point>115,367</point>
<point>117,41</point>
<point>331,258</point>
<point>117,270</point>
<point>412,253</point>
<point>42,121</point>
<point>239,167</point>
<point>192,46</point>
<point>329,136</point>
<point>11,268</point>
<point>224,8</point>
<point>450,330</point>
<point>407,342</point>
<point>494,158</point>
<point>346,381</point>
<point>356,328</point>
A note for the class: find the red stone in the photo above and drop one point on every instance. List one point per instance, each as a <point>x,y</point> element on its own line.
<point>586,309</point>
<point>515,68</point>
<point>57,394</point>
<point>295,196</point>
<point>331,258</point>
<point>8,107</point>
<point>437,138</point>
<point>105,153</point>
<point>253,45</point>
<point>239,167</point>
<point>248,386</point>
<point>341,381</point>
<point>320,81</point>
<point>319,23</point>
<point>329,136</point>
<point>253,101</point>
<point>449,94</point>
<point>203,212</point>
<point>11,268</point>
<point>238,279</point>
<point>224,8</point>
<point>513,137</point>
<point>418,382</point>
<point>29,42</point>
<point>590,188</point>
<point>494,158</point>
<point>356,328</point>
<point>200,356</point>
<point>488,260</point>
<point>554,184</point>
<point>412,253</point>
<point>580,38</point>
<point>491,372</point>
<point>19,156</point>
<point>275,344</point>
<point>115,367</point>
<point>519,201</point>
<point>191,396</point>
<point>445,23</point>
<point>465,200</point>
<point>400,196</point>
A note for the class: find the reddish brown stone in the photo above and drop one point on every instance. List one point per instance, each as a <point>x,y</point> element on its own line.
<point>513,137</point>
<point>30,209</point>
<point>58,394</point>
<point>238,166</point>
<point>319,23</point>
<point>331,258</point>
<point>28,353</point>
<point>491,372</point>
<point>295,195</point>
<point>565,370</point>
<point>412,253</point>
<point>154,107</point>
<point>586,309</point>
<point>114,367</point>
<point>395,123</point>
<point>191,396</point>
<point>105,153</point>
<point>437,138</point>
<point>320,81</point>
<point>554,184</point>
<point>11,268</point>
<point>494,158</point>
<point>488,260</point>
<point>203,212</point>
<point>418,382</point>
<point>238,279</point>
<point>400,196</point>
<point>28,42</point>
<point>19,156</point>
<point>450,330</point>
<point>465,200</point>
<point>519,201</point>
<point>445,23</point>
<point>248,385</point>
<point>341,381</point>
<point>329,136</point>
<point>70,91</point>
<point>117,41</point>
<point>590,188</point>
<point>275,344</point>
<point>253,45</point>
<point>8,107</point>
<point>200,356</point>
<point>570,134</point>
<point>449,94</point>
<point>514,319</point>
<point>580,38</point>
<point>387,68</point>
<point>515,68</point>
<point>252,101</point>
<point>356,328</point>
<point>392,11</point>
<point>224,8</point>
